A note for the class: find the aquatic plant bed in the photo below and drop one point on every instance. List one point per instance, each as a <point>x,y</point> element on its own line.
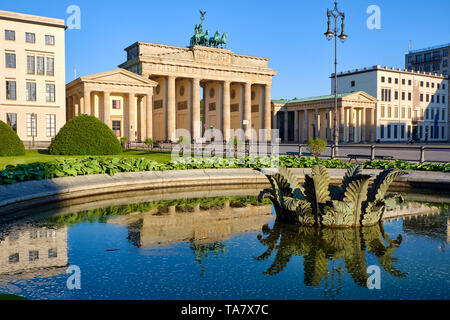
<point>101,165</point>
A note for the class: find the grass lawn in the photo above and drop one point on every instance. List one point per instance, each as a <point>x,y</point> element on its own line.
<point>42,156</point>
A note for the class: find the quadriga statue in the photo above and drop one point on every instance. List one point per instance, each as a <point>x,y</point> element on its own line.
<point>317,203</point>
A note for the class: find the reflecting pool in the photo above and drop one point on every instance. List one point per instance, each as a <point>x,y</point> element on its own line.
<point>222,248</point>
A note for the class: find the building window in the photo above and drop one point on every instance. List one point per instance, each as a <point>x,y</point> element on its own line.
<point>409,113</point>
<point>50,66</point>
<point>409,96</point>
<point>402,131</point>
<point>51,125</point>
<point>428,57</point>
<point>385,94</point>
<point>445,52</point>
<point>33,255</point>
<point>30,37</point>
<point>396,80</point>
<point>436,66</point>
<point>50,40</point>
<point>428,97</point>
<point>117,127</point>
<point>31,91</point>
<point>388,131</point>
<point>116,104</point>
<point>14,258</point>
<point>352,84</point>
<point>10,35</point>
<point>10,60</point>
<point>382,79</point>
<point>421,132</point>
<point>50,92</point>
<point>31,126</point>
<point>437,98</point>
<point>389,80</point>
<point>30,64</point>
<point>40,65</point>
<point>421,83</point>
<point>403,113</point>
<point>409,82</point>
<point>428,84</point>
<point>389,115</point>
<point>395,131</point>
<point>52,253</point>
<point>445,63</point>
<point>421,97</point>
<point>403,96</point>
<point>382,131</point>
<point>419,58</point>
<point>11,120</point>
<point>443,114</point>
<point>396,95</point>
<point>382,111</point>
<point>11,90</point>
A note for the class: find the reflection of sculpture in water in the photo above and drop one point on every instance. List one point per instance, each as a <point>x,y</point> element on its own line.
<point>319,246</point>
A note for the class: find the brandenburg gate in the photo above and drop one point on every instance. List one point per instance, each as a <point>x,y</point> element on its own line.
<point>236,88</point>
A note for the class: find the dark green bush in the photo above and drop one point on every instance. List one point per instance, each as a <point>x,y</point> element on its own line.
<point>85,135</point>
<point>10,144</point>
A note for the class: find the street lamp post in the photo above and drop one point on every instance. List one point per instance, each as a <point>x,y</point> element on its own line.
<point>33,126</point>
<point>336,14</point>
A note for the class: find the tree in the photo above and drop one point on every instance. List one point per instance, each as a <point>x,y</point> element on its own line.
<point>316,146</point>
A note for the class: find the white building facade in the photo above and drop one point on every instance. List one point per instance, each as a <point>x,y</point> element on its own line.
<point>32,75</point>
<point>411,105</point>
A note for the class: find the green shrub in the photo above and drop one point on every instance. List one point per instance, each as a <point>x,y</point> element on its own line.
<point>10,144</point>
<point>316,146</point>
<point>85,135</point>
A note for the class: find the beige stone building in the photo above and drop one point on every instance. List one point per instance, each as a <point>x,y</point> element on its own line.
<point>302,119</point>
<point>120,98</point>
<point>411,104</point>
<point>33,73</point>
<point>236,89</point>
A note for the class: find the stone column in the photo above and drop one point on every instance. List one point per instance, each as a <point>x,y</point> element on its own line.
<point>296,125</point>
<point>306,126</point>
<point>87,102</point>
<point>267,112</point>
<point>341,124</point>
<point>130,117</point>
<point>142,123</point>
<point>149,115</point>
<point>351,126</point>
<point>363,124</point>
<point>373,131</point>
<point>82,103</point>
<point>171,109</point>
<point>226,116</point>
<point>286,126</point>
<point>196,120</point>
<point>317,123</point>
<point>248,110</point>
<point>107,108</point>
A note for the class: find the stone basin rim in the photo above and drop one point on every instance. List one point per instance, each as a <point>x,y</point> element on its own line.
<point>35,193</point>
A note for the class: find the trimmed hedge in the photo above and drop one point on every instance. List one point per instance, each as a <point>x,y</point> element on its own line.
<point>85,135</point>
<point>10,143</point>
<point>111,166</point>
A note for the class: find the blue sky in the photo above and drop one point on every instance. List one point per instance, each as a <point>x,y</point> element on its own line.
<point>288,32</point>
